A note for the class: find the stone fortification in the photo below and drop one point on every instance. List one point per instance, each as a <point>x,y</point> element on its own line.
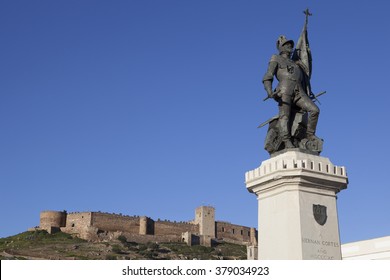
<point>174,228</point>
<point>235,233</point>
<point>114,222</point>
<point>97,226</point>
<point>205,218</point>
<point>52,220</point>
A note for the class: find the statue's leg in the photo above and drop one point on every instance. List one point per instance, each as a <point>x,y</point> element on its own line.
<point>284,116</point>
<point>309,106</point>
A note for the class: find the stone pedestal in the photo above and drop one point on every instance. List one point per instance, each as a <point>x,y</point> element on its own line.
<point>297,208</point>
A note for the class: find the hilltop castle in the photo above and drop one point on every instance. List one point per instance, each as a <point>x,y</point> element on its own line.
<point>97,226</point>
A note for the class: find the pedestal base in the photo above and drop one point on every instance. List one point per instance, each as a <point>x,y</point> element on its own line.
<point>297,206</point>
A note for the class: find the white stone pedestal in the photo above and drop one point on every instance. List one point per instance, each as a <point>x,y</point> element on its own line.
<point>297,213</point>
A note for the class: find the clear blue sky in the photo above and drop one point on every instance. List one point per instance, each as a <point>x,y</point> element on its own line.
<point>151,107</point>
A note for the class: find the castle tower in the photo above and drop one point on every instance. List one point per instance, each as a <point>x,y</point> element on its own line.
<point>52,221</point>
<point>143,225</point>
<point>205,218</point>
<point>146,225</point>
<point>253,236</point>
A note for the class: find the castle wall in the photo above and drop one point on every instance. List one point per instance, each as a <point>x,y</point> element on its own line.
<point>99,226</point>
<point>78,220</point>
<point>152,238</point>
<point>173,228</point>
<point>79,224</point>
<point>115,222</point>
<point>231,232</point>
<point>190,239</point>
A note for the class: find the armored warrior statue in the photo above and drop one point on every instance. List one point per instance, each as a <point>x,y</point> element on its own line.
<point>296,124</point>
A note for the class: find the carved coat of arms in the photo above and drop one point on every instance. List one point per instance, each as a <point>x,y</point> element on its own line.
<point>319,212</point>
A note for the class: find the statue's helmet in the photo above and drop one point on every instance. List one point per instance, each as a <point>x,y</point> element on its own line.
<point>282,40</point>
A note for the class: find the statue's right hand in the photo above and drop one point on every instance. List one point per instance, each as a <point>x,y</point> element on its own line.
<point>276,94</point>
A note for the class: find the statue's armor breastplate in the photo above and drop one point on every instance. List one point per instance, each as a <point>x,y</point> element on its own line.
<point>288,74</point>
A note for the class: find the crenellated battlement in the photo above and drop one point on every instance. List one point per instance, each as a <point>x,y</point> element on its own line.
<point>296,161</point>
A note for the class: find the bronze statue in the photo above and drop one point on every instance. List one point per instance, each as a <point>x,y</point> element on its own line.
<point>296,124</point>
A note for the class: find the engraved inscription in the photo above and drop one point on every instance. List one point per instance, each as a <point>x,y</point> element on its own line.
<point>320,242</point>
<point>322,249</point>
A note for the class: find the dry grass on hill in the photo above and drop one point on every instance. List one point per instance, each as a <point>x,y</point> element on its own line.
<point>62,246</point>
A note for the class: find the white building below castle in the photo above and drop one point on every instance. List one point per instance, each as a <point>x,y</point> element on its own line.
<point>372,249</point>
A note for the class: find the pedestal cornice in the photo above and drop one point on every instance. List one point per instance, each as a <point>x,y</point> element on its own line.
<point>294,167</point>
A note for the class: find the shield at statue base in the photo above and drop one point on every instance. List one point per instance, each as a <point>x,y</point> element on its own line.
<point>320,215</point>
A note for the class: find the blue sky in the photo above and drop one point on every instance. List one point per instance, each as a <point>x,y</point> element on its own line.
<point>151,107</point>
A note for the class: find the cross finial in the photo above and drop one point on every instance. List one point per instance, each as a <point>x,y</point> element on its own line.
<point>307,13</point>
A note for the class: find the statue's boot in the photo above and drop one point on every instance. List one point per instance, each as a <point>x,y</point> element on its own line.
<point>285,133</point>
<point>288,144</point>
<point>312,137</point>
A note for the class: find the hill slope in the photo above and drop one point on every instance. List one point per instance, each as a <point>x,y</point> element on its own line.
<point>62,246</point>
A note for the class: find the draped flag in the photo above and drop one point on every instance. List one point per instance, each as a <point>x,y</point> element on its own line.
<point>302,54</point>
